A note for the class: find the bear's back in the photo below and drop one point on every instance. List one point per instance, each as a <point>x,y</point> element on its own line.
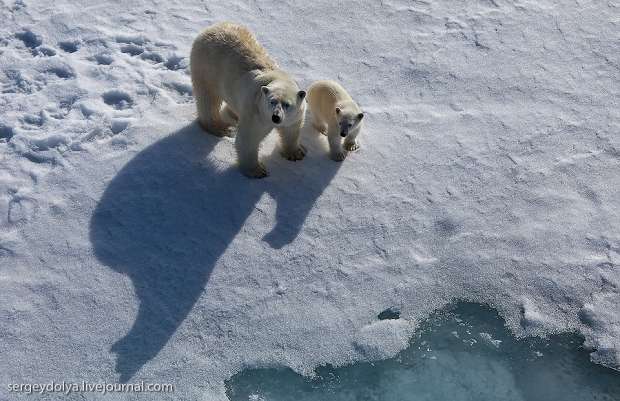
<point>328,90</point>
<point>238,44</point>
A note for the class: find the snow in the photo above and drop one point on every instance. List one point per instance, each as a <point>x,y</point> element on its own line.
<point>384,339</point>
<point>447,361</point>
<point>132,249</point>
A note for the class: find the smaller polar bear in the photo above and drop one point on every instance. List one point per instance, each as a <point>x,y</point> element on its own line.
<point>235,82</point>
<point>336,115</point>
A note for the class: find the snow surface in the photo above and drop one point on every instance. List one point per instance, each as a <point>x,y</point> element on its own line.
<point>131,248</point>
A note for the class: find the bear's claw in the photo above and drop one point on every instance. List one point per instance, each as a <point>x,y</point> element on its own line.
<point>351,147</point>
<point>339,156</point>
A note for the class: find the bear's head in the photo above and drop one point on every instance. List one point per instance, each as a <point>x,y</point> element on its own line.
<point>282,102</point>
<point>349,117</point>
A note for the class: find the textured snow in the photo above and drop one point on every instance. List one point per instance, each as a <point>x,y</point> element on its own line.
<point>131,248</point>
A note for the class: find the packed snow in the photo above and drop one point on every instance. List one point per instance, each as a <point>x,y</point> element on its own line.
<point>131,248</point>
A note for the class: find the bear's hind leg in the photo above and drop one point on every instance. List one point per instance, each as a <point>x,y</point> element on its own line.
<point>228,115</point>
<point>208,106</point>
<point>202,103</point>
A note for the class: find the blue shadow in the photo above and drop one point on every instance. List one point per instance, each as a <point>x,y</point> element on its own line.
<point>167,217</point>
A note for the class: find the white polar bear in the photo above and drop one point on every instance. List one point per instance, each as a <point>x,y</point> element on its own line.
<point>229,65</point>
<point>336,115</point>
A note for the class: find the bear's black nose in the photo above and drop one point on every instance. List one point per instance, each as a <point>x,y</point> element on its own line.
<point>276,119</point>
<point>343,134</point>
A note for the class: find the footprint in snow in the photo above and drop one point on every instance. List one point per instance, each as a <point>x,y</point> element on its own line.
<point>118,99</point>
<point>30,39</point>
<point>34,42</point>
<point>6,132</point>
<point>132,49</point>
<point>69,46</point>
<point>103,59</point>
<point>152,56</point>
<point>181,88</point>
<point>18,82</point>
<point>61,71</point>
<point>175,63</point>
<point>140,46</point>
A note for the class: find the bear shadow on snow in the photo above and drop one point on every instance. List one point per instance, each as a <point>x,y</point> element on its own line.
<point>168,215</point>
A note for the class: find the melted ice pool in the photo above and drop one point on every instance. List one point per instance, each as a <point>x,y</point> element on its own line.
<point>464,353</point>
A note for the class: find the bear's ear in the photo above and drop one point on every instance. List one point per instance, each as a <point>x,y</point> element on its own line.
<point>338,110</point>
<point>301,94</point>
<point>360,116</point>
<point>265,90</point>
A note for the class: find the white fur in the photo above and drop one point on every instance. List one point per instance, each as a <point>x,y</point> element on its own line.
<point>235,82</point>
<point>335,114</point>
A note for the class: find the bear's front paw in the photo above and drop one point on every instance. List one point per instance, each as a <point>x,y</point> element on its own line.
<point>351,147</point>
<point>229,132</point>
<point>296,154</point>
<point>339,155</point>
<point>258,171</point>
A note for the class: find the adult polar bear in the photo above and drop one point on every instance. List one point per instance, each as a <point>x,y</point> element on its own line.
<point>229,65</point>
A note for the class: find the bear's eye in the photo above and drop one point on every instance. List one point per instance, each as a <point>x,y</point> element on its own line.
<point>274,102</point>
<point>285,105</point>
<point>350,125</point>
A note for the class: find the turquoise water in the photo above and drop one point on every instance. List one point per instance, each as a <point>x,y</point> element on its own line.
<point>461,353</point>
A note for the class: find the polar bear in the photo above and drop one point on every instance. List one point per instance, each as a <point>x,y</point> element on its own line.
<point>235,82</point>
<point>336,115</point>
